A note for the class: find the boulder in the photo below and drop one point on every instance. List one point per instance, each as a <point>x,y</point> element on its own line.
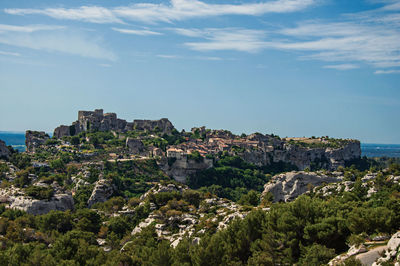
<point>288,186</point>
<point>59,202</point>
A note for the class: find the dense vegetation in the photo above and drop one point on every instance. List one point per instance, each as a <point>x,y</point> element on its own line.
<point>308,231</point>
<point>231,178</point>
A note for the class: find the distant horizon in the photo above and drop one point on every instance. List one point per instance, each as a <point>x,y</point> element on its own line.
<point>362,143</point>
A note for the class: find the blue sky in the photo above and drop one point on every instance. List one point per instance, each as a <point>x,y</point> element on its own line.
<point>289,67</point>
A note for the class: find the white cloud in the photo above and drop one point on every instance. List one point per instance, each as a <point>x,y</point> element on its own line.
<point>168,56</point>
<point>137,32</point>
<point>395,6</point>
<point>392,71</point>
<point>27,28</point>
<point>105,65</point>
<point>92,14</point>
<point>374,44</point>
<point>237,39</point>
<point>52,39</point>
<point>349,42</point>
<point>173,11</point>
<point>209,58</point>
<point>342,66</point>
<point>9,53</point>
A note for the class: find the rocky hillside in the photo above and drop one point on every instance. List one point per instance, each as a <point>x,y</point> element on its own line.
<point>143,193</point>
<point>159,139</point>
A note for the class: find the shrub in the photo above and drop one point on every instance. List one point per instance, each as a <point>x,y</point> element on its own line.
<point>196,156</point>
<point>42,193</point>
<point>57,165</point>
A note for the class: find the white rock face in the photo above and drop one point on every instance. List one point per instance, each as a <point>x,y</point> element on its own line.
<point>163,188</point>
<point>392,249</point>
<point>61,201</point>
<point>185,223</point>
<point>101,192</point>
<point>353,250</point>
<point>288,186</point>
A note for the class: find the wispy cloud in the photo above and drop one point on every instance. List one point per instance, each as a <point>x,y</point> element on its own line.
<point>392,71</point>
<point>52,39</point>
<point>27,28</point>
<point>395,6</point>
<point>105,65</point>
<point>342,66</point>
<point>209,58</point>
<point>9,53</point>
<point>354,40</point>
<point>168,56</point>
<point>238,39</point>
<point>92,14</point>
<point>204,58</point>
<point>137,32</point>
<point>175,10</point>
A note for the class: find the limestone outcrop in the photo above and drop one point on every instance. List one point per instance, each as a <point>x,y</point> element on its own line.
<point>163,125</point>
<point>182,167</point>
<point>288,186</point>
<point>4,152</point>
<point>392,250</point>
<point>97,120</point>
<point>303,157</point>
<point>353,250</point>
<point>33,139</point>
<point>135,146</point>
<point>173,225</point>
<point>103,189</point>
<point>15,198</point>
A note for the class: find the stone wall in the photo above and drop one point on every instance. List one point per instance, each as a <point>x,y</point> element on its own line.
<point>97,120</point>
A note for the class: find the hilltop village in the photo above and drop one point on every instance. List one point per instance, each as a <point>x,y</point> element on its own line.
<point>104,190</point>
<point>159,138</point>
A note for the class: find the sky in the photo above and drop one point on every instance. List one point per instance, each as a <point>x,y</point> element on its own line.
<point>288,67</point>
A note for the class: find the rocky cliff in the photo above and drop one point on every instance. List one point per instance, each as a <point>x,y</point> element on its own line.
<point>33,139</point>
<point>4,152</point>
<point>272,151</point>
<point>135,146</point>
<point>103,189</point>
<point>162,125</point>
<point>288,186</point>
<point>181,168</point>
<point>16,198</point>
